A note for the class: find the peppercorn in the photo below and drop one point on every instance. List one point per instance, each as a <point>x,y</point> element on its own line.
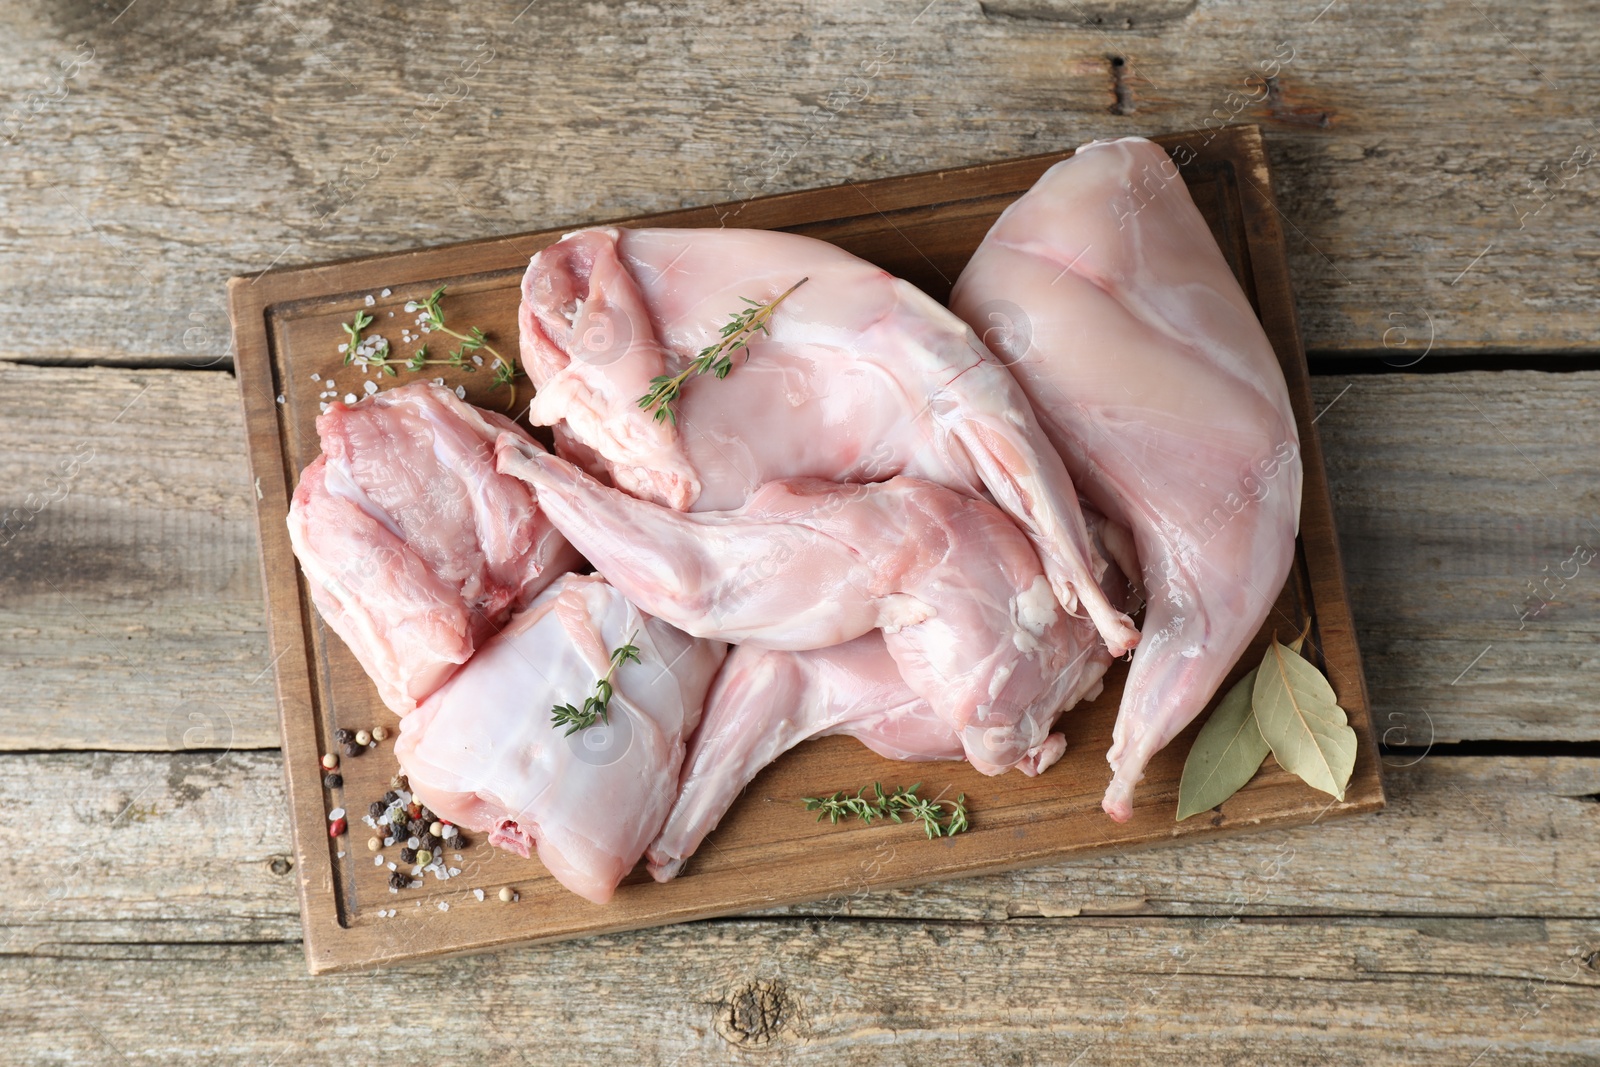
<point>408,855</point>
<point>330,761</point>
<point>344,737</point>
<point>337,828</point>
<point>380,732</point>
<point>373,844</point>
<point>414,810</point>
<point>362,737</point>
<point>390,797</point>
<point>430,842</point>
<point>399,782</point>
<point>416,827</point>
<point>353,749</point>
<point>334,780</point>
<point>398,880</point>
<point>436,828</point>
<point>424,857</point>
<point>427,816</point>
<point>506,894</point>
<point>376,809</point>
<point>459,841</point>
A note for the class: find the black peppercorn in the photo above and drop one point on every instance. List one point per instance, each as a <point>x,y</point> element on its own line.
<point>416,828</point>
<point>398,880</point>
<point>353,749</point>
<point>390,797</point>
<point>377,808</point>
<point>430,842</point>
<point>428,816</point>
<point>344,737</point>
<point>408,855</point>
<point>459,841</point>
<point>334,780</point>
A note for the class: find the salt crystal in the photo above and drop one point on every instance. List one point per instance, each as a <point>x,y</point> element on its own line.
<point>371,387</point>
<point>478,893</point>
<point>324,407</point>
<point>392,867</point>
<point>280,398</point>
<point>349,398</point>
<point>411,305</point>
<point>340,855</point>
<point>477,361</point>
<point>461,392</point>
<point>454,871</point>
<point>377,861</point>
<point>316,377</point>
<point>458,857</point>
<point>336,813</point>
<point>444,905</point>
<point>370,300</point>
<point>384,293</point>
<point>393,890</point>
<point>344,348</point>
<point>449,831</point>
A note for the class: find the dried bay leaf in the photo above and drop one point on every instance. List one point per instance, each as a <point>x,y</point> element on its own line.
<point>1226,753</point>
<point>1301,720</point>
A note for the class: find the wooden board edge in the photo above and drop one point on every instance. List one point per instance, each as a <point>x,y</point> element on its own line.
<point>291,659</point>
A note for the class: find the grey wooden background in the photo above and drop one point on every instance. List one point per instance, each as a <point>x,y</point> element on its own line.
<point>1436,169</point>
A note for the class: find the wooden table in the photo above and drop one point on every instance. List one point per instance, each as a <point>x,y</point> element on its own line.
<point>1436,175</point>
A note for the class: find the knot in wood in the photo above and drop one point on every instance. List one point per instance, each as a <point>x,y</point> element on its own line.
<point>753,1015</point>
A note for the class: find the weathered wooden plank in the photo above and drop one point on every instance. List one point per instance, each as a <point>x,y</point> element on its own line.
<point>130,592</point>
<point>149,153</point>
<point>133,603</point>
<point>195,847</point>
<point>1445,991</point>
<point>1466,506</point>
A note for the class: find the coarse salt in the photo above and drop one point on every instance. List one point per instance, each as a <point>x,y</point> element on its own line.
<point>340,855</point>
<point>377,861</point>
<point>280,398</point>
<point>371,387</point>
<point>444,905</point>
<point>454,871</point>
<point>336,813</point>
<point>392,867</point>
<point>316,377</point>
<point>461,392</point>
<point>478,893</point>
<point>370,300</point>
<point>384,293</point>
<point>349,398</point>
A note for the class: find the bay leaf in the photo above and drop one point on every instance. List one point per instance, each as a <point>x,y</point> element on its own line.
<point>1301,720</point>
<point>1226,753</point>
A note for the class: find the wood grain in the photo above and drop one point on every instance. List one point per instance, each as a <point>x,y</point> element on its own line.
<point>1407,991</point>
<point>1443,526</point>
<point>195,847</point>
<point>201,141</point>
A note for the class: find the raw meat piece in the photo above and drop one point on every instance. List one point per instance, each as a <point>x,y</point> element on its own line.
<point>413,547</point>
<point>763,703</point>
<point>862,377</point>
<point>1105,292</point>
<point>483,753</point>
<point>957,590</point>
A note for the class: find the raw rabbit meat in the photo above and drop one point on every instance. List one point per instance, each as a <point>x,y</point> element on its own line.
<point>483,753</point>
<point>413,547</point>
<point>1104,291</point>
<point>861,377</point>
<point>957,590</point>
<point>763,703</point>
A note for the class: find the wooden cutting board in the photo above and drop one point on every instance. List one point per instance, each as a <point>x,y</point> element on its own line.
<point>768,850</point>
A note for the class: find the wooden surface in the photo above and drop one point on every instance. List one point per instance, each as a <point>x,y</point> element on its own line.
<point>764,852</point>
<point>155,922</point>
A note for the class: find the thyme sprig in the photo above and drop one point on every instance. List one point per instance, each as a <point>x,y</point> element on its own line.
<point>597,706</point>
<point>715,358</point>
<point>505,372</point>
<point>897,804</point>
